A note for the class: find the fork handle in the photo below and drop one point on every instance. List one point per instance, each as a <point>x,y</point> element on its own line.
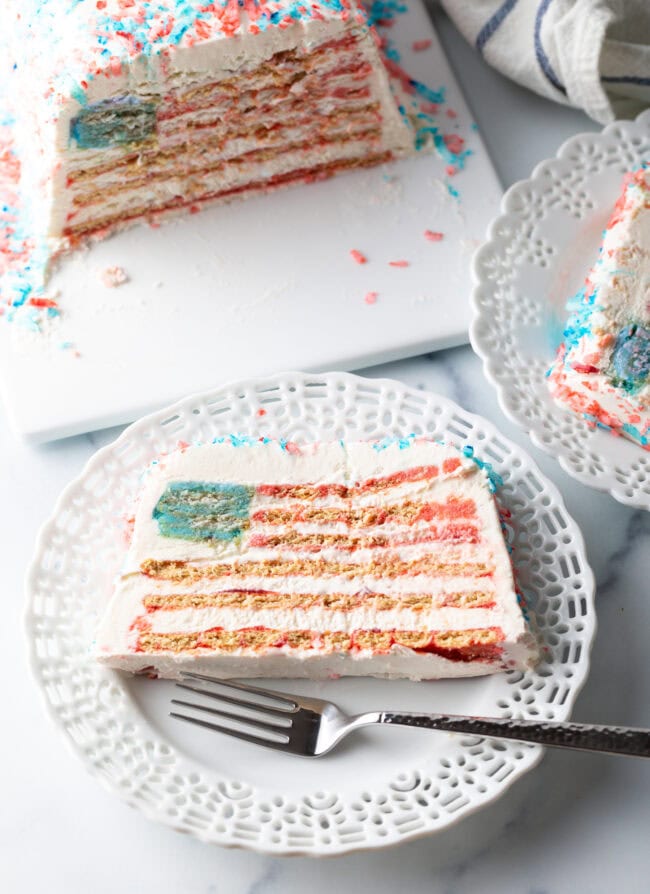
<point>580,736</point>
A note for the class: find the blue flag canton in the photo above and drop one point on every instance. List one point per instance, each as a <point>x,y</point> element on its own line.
<point>204,511</point>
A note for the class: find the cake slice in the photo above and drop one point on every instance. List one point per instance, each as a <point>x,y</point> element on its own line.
<point>131,110</point>
<point>262,558</point>
<point>602,370</point>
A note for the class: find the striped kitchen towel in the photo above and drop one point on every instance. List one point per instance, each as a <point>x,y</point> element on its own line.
<point>592,54</point>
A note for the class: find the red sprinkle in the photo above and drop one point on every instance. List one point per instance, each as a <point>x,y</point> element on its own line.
<point>450,465</point>
<point>398,263</point>
<point>261,412</point>
<point>433,236</point>
<point>358,257</point>
<point>419,45</point>
<point>451,113</point>
<point>371,297</point>
<point>454,143</point>
<point>450,170</point>
<point>42,302</point>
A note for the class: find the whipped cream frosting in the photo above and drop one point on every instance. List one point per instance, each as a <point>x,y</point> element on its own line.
<point>603,366</point>
<point>373,542</point>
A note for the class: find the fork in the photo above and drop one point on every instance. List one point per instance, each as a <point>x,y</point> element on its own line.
<point>311,727</point>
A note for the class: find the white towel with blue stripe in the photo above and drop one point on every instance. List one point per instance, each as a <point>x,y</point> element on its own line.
<point>592,54</point>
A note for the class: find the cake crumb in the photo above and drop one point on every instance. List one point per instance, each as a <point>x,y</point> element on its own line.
<point>358,256</point>
<point>112,277</point>
<point>433,236</point>
<point>371,297</point>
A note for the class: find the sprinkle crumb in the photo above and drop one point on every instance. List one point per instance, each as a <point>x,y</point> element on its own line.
<point>371,297</point>
<point>420,45</point>
<point>112,277</point>
<point>398,263</point>
<point>451,113</point>
<point>261,412</point>
<point>357,256</point>
<point>450,170</point>
<point>432,236</point>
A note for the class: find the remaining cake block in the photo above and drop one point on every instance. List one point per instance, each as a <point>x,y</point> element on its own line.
<point>269,559</point>
<point>602,370</point>
<point>129,110</point>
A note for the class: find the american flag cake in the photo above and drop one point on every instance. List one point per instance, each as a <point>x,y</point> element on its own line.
<point>267,558</point>
<point>602,370</point>
<point>131,109</point>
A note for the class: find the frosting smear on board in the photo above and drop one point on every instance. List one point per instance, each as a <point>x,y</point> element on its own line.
<point>602,370</point>
<point>264,558</point>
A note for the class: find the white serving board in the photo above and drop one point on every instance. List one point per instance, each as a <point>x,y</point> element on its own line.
<point>262,285</point>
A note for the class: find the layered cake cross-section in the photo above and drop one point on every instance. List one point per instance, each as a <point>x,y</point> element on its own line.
<point>132,109</point>
<point>265,558</point>
<point>602,370</point>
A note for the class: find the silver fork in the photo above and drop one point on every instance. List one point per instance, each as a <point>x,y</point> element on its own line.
<point>312,726</point>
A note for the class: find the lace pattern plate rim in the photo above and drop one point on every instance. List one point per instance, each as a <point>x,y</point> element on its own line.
<point>81,547</point>
<point>537,254</point>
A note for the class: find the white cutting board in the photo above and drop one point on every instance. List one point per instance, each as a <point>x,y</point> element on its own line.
<point>263,285</point>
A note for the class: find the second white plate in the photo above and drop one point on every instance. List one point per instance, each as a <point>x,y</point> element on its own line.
<point>378,788</point>
<point>538,253</point>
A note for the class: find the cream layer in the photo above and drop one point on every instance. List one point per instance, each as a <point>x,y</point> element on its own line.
<point>191,620</point>
<point>399,663</point>
<point>308,585</point>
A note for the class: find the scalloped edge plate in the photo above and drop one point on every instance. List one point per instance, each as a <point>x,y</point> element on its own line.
<point>613,464</point>
<point>564,580</point>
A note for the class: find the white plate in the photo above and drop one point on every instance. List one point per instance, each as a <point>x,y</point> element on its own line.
<point>266,284</point>
<point>378,788</point>
<point>538,254</point>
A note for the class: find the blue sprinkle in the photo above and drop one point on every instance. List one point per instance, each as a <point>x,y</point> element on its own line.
<point>495,481</point>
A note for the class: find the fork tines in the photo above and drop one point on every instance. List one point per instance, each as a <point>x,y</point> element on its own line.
<point>275,725</point>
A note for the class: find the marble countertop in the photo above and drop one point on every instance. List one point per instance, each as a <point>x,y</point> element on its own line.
<point>576,823</point>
